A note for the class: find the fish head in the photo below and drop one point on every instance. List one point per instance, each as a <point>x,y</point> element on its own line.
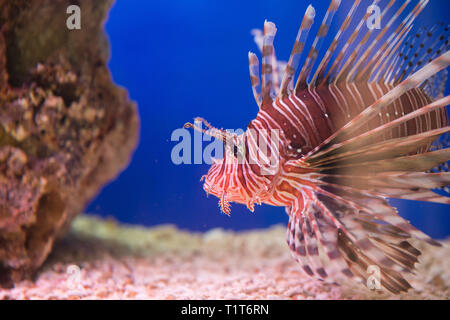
<point>234,178</point>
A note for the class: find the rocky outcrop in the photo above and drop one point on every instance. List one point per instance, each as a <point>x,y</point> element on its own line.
<point>65,128</point>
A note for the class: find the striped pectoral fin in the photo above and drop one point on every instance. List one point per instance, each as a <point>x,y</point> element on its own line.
<point>416,163</point>
<point>333,240</point>
<point>312,239</point>
<point>407,185</point>
<point>414,190</point>
<point>389,149</point>
<point>327,234</point>
<point>367,193</point>
<point>363,241</point>
<point>355,143</point>
<point>364,267</point>
<point>374,176</point>
<point>312,245</point>
<point>423,180</point>
<point>373,110</point>
<point>414,194</point>
<point>375,206</point>
<point>443,168</point>
<point>356,226</point>
<point>403,185</point>
<point>296,242</point>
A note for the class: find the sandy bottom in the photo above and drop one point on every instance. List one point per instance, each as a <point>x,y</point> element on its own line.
<point>100,259</point>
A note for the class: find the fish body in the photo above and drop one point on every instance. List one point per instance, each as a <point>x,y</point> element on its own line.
<point>349,134</point>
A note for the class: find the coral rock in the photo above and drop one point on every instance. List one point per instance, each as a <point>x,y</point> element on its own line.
<point>65,128</point>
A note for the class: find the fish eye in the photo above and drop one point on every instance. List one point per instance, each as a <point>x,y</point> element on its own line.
<point>235,151</point>
<point>233,148</point>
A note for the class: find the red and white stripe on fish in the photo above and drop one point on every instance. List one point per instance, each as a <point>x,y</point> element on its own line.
<point>352,132</point>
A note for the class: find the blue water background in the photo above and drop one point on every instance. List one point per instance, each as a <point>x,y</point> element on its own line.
<point>180,59</point>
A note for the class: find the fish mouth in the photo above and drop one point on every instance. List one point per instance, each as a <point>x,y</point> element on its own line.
<point>230,195</point>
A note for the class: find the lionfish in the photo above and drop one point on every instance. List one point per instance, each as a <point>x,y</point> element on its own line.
<point>352,132</point>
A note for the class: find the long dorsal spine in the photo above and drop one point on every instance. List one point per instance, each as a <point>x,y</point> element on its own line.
<point>294,59</point>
